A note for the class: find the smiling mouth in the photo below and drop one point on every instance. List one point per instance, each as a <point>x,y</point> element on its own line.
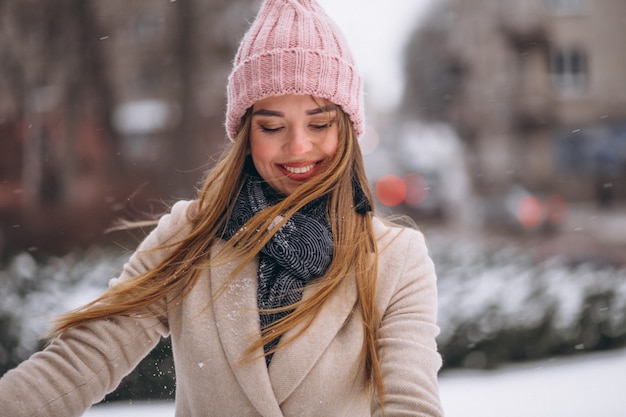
<point>298,170</point>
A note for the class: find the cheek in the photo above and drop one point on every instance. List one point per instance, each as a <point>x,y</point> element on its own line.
<point>330,145</point>
<point>261,157</point>
<point>256,149</point>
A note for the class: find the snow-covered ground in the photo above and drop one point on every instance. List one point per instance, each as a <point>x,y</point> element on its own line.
<point>581,386</point>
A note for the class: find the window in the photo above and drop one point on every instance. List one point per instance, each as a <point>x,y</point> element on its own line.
<point>592,150</point>
<point>147,79</point>
<point>147,28</point>
<point>568,69</point>
<point>566,6</point>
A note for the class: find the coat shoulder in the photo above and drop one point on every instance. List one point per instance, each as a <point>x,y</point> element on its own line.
<point>403,260</point>
<point>177,221</point>
<point>398,238</point>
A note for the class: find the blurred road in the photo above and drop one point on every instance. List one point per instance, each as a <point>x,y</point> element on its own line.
<point>604,224</point>
<point>588,233</point>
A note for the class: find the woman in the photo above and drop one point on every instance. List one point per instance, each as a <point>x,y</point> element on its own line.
<point>283,294</point>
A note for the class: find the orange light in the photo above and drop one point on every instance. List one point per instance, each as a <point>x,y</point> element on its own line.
<point>529,211</point>
<point>390,190</point>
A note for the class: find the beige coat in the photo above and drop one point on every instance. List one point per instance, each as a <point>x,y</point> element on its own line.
<point>319,374</point>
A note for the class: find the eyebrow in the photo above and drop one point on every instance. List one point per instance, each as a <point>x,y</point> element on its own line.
<point>317,110</point>
<point>325,109</point>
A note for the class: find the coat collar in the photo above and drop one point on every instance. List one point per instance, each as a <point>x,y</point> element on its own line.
<point>237,319</point>
<point>291,364</point>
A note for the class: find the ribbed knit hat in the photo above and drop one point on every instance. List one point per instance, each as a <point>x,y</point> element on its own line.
<point>293,47</point>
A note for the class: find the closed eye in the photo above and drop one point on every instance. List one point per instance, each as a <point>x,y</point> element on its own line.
<point>322,126</point>
<point>266,129</point>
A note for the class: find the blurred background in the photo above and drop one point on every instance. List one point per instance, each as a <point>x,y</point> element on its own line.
<point>499,126</point>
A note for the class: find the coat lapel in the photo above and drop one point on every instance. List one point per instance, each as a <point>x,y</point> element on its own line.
<point>237,319</point>
<point>293,362</point>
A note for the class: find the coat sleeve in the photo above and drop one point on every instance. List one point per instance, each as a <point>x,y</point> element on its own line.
<point>407,345</point>
<point>81,366</point>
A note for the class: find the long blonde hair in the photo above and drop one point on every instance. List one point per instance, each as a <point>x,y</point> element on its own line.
<point>355,249</point>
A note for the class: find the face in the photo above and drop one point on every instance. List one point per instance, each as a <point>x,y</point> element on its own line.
<point>292,138</point>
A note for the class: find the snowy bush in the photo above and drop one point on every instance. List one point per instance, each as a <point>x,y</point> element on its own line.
<point>501,305</point>
<point>34,292</point>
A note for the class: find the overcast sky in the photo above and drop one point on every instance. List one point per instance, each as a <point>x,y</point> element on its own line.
<point>377,32</point>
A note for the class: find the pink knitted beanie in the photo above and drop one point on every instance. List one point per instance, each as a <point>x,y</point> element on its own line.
<point>293,47</point>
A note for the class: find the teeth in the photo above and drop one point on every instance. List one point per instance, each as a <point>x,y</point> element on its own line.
<point>299,170</point>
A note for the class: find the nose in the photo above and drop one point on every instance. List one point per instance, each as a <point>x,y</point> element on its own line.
<point>298,142</point>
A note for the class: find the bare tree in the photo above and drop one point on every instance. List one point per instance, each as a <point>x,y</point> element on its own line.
<point>59,92</point>
<point>434,73</point>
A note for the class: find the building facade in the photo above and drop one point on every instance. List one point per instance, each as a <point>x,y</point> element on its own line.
<point>107,110</point>
<point>538,94</point>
